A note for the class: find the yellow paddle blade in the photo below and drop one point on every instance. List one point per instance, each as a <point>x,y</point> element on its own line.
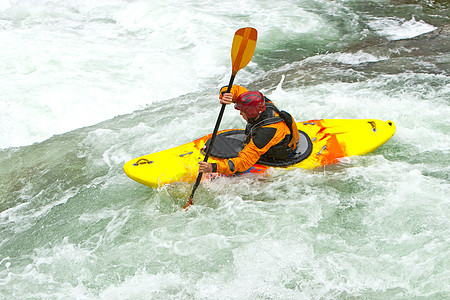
<point>244,44</point>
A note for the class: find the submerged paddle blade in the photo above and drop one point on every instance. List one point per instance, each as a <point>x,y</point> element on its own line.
<point>189,203</point>
<point>244,44</point>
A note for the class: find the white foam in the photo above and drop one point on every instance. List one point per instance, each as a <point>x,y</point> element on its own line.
<point>70,65</point>
<point>143,285</point>
<point>69,73</point>
<point>4,4</point>
<point>397,29</point>
<point>346,58</point>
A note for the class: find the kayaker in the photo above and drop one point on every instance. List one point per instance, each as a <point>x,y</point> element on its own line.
<point>270,133</point>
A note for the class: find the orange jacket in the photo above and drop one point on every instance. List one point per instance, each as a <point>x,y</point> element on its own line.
<point>236,90</point>
<point>252,152</point>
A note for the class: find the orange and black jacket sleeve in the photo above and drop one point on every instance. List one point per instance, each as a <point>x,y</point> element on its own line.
<point>251,153</point>
<point>236,90</point>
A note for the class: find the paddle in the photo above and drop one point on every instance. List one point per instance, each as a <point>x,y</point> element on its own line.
<point>244,43</point>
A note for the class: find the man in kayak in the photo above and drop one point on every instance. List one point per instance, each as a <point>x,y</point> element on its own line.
<point>270,133</point>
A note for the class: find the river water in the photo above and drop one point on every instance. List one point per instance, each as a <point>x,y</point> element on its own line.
<point>89,85</point>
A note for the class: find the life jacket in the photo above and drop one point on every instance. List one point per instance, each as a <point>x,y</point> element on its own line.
<point>273,115</point>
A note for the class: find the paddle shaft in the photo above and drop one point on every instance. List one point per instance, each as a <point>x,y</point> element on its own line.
<point>244,43</point>
<point>213,138</point>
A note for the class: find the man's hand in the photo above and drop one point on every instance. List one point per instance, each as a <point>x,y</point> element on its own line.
<point>227,98</point>
<point>205,167</point>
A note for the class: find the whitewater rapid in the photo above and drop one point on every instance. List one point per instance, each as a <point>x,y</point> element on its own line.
<point>86,86</point>
<point>70,65</point>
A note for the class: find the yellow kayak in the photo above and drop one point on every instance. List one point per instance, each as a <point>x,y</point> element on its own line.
<point>322,142</point>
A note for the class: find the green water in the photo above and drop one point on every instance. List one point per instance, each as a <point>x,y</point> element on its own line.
<point>73,226</point>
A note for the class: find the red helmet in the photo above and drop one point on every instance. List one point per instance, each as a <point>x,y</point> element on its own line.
<point>251,103</point>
